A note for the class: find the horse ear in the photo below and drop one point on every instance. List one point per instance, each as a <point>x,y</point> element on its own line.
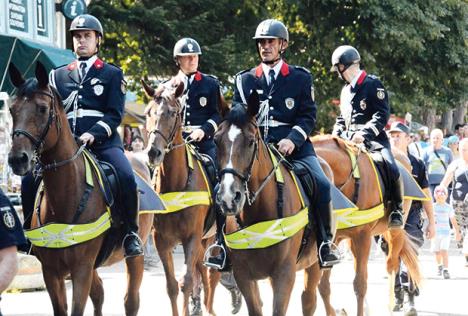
<point>148,90</point>
<point>253,104</point>
<point>41,75</point>
<point>179,90</point>
<point>223,107</point>
<point>15,75</point>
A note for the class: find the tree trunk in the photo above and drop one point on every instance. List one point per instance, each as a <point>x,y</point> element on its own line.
<point>459,114</point>
<point>447,122</point>
<point>430,118</point>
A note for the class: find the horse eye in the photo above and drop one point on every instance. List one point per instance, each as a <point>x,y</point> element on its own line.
<point>251,142</point>
<point>42,108</point>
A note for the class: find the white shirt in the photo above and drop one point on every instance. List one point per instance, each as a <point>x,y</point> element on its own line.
<point>88,63</point>
<point>186,78</point>
<point>276,68</point>
<point>345,100</point>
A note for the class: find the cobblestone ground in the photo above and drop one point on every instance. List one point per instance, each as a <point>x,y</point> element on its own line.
<point>438,296</point>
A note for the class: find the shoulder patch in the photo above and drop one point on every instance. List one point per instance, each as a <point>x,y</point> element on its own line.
<point>302,68</point>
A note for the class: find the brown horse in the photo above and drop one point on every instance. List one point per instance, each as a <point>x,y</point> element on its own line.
<point>168,151</point>
<point>41,133</point>
<point>335,152</point>
<point>247,173</point>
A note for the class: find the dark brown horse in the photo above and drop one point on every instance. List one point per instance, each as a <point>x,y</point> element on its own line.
<point>41,131</point>
<point>335,152</point>
<point>176,173</point>
<point>248,195</point>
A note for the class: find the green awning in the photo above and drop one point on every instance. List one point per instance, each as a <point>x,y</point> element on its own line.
<point>24,54</point>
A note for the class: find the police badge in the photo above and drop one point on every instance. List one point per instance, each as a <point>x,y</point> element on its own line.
<point>8,218</point>
<point>94,81</point>
<point>363,105</point>
<point>380,94</point>
<point>202,101</point>
<point>289,103</point>
<point>98,89</point>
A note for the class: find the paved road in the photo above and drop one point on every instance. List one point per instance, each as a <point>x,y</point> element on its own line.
<point>438,297</point>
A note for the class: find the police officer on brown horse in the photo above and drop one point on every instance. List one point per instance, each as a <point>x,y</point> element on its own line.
<point>364,114</point>
<point>286,118</point>
<point>93,94</point>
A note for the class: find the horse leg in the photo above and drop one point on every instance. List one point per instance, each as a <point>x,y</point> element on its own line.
<point>82,278</point>
<point>56,288</point>
<point>97,294</point>
<point>360,246</point>
<point>203,271</point>
<point>213,278</point>
<point>251,293</point>
<point>309,295</point>
<point>325,292</point>
<point>135,267</point>
<point>165,253</point>
<point>282,283</point>
<point>192,252</point>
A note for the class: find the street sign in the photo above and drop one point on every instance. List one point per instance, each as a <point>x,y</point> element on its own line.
<point>73,8</point>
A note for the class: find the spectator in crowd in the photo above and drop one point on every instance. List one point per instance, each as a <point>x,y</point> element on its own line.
<point>11,236</point>
<point>399,139</point>
<point>138,148</point>
<point>437,158</point>
<point>414,147</point>
<point>457,174</point>
<point>460,130</point>
<point>452,144</point>
<point>444,214</point>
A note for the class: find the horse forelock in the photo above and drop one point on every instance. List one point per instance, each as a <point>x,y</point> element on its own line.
<point>28,88</point>
<point>238,115</point>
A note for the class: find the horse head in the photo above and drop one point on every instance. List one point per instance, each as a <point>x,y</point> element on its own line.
<point>163,119</point>
<point>237,141</point>
<point>33,112</point>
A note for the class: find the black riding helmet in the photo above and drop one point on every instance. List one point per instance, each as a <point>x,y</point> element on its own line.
<point>271,29</point>
<point>345,55</point>
<point>86,22</point>
<point>185,47</point>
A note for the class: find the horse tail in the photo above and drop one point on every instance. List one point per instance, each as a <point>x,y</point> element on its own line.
<point>409,255</point>
<point>401,246</point>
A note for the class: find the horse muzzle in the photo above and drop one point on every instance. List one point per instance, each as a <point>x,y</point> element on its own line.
<point>155,156</point>
<point>230,204</point>
<point>19,162</point>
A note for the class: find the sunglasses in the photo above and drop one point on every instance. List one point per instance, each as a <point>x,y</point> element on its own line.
<point>440,192</point>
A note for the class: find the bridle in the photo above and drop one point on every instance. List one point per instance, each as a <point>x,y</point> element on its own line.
<point>245,178</point>
<point>170,140</point>
<point>39,142</point>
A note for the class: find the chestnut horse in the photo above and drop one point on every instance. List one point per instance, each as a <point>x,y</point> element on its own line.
<point>168,151</point>
<point>336,152</point>
<point>247,174</point>
<point>41,134</point>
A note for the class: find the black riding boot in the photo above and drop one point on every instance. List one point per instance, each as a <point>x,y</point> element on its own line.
<point>219,261</point>
<point>132,243</point>
<point>399,299</point>
<point>410,309</point>
<point>327,252</point>
<point>396,206</point>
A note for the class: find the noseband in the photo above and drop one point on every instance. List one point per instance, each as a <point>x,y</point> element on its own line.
<point>39,142</point>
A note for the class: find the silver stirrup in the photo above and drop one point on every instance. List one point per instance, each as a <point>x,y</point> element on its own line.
<point>208,255</point>
<point>333,248</point>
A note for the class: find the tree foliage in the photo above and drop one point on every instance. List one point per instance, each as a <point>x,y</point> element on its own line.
<point>417,47</point>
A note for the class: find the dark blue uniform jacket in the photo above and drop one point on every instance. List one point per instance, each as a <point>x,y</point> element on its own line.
<point>291,108</point>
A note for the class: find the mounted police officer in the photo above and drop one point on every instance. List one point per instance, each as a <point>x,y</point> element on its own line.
<point>364,114</point>
<point>200,117</point>
<point>286,118</point>
<point>94,98</point>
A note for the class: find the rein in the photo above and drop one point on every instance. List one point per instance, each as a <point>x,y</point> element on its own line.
<point>252,195</point>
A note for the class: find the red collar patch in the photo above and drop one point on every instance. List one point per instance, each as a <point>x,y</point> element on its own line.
<point>98,64</point>
<point>72,66</point>
<point>198,76</point>
<point>259,71</point>
<point>361,77</point>
<point>285,69</point>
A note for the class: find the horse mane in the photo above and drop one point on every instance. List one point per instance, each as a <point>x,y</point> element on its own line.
<point>238,115</point>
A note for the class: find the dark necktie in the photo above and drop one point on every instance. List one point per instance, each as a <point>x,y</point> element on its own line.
<point>271,74</point>
<point>82,70</point>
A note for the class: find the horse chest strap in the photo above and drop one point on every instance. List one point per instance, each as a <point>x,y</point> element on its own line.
<point>83,202</point>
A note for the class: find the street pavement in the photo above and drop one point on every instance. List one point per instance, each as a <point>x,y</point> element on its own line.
<point>438,296</point>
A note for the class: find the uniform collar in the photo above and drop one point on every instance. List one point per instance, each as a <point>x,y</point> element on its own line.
<point>264,69</point>
<point>357,81</point>
<point>93,61</point>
